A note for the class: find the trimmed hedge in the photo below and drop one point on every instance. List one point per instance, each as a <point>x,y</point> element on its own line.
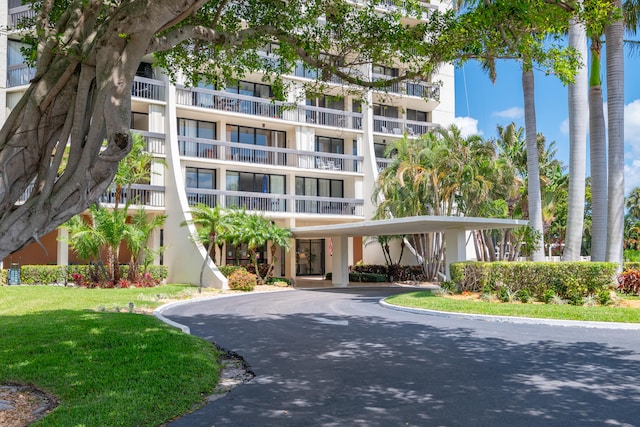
<point>630,265</point>
<point>362,277</point>
<point>565,279</point>
<point>48,274</point>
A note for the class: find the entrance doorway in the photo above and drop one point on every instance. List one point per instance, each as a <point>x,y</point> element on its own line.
<point>310,257</point>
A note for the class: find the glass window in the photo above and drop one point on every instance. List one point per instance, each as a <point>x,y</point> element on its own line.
<point>200,178</point>
<point>418,116</point>
<point>385,111</point>
<point>324,188</point>
<point>319,187</point>
<point>256,136</point>
<point>233,181</point>
<point>255,182</point>
<point>196,129</point>
<point>329,145</point>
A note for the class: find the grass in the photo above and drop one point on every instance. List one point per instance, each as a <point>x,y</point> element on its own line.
<point>105,368</point>
<point>427,300</point>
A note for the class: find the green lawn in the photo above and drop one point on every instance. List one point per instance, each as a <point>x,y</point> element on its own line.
<point>105,368</point>
<point>427,300</point>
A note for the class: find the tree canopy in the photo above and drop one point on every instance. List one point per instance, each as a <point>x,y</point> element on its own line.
<point>86,53</point>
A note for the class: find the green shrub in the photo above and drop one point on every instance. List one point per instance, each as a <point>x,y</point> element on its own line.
<point>226,270</point>
<point>3,277</point>
<point>242,280</point>
<point>43,274</point>
<point>282,280</point>
<point>450,287</point>
<point>630,266</point>
<point>604,297</point>
<point>367,277</point>
<point>524,295</point>
<point>505,294</point>
<point>631,255</point>
<point>50,274</point>
<point>566,279</point>
<point>328,276</point>
<point>547,296</point>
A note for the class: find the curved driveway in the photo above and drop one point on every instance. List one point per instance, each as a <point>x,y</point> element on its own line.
<point>337,358</point>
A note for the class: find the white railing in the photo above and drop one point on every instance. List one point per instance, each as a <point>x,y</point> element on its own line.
<point>411,87</point>
<point>274,156</point>
<point>393,126</point>
<point>154,141</point>
<point>382,163</point>
<point>148,89</point>
<point>18,12</point>
<point>254,106</point>
<point>139,195</point>
<point>19,75</point>
<point>267,202</point>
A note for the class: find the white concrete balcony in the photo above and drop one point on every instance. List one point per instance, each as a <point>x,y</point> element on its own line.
<point>273,156</point>
<point>18,12</point>
<point>19,75</point>
<point>393,126</point>
<point>262,107</point>
<point>154,141</point>
<point>416,88</point>
<point>276,203</point>
<point>141,195</point>
<point>148,89</point>
<point>382,163</point>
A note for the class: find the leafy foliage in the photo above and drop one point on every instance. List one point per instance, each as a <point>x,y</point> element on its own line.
<point>629,282</point>
<point>565,279</point>
<point>242,280</point>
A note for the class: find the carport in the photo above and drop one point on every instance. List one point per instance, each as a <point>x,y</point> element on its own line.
<point>454,229</point>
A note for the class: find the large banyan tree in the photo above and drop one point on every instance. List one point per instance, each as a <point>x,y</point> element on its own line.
<point>86,53</point>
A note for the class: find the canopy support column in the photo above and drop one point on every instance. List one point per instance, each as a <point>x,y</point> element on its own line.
<point>340,261</point>
<point>456,251</point>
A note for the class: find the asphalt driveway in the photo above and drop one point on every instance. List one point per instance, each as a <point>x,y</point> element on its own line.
<point>337,358</point>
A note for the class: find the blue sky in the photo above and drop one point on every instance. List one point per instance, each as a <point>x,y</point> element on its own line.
<point>484,105</point>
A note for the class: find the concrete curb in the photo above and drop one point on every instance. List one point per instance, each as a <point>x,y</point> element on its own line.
<point>510,319</point>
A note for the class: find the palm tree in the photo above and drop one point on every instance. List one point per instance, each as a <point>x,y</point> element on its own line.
<point>112,226</point>
<point>136,236</point>
<point>533,172</point>
<point>211,225</point>
<point>578,144</point>
<point>614,33</point>
<point>84,239</point>
<point>633,203</point>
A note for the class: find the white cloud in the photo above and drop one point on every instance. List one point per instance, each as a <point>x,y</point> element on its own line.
<point>513,113</point>
<point>632,125</point>
<point>468,126</point>
<point>631,176</point>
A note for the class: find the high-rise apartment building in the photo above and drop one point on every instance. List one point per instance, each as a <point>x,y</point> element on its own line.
<point>310,161</point>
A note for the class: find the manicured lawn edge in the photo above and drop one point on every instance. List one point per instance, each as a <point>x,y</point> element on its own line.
<point>424,301</point>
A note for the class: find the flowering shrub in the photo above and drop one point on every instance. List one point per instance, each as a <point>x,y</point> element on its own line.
<point>241,280</point>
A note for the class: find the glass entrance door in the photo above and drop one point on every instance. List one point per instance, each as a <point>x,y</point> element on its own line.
<point>310,257</point>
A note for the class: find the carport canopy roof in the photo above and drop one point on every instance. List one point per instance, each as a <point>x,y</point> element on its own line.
<point>407,225</point>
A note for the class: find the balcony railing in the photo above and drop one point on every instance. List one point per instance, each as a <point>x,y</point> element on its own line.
<point>254,106</point>
<point>18,12</point>
<point>140,195</point>
<point>19,75</point>
<point>411,88</point>
<point>154,141</point>
<point>273,156</point>
<point>382,163</point>
<point>393,126</point>
<point>267,202</point>
<point>148,89</point>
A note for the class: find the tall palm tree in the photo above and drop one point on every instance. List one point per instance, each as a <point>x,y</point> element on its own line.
<point>533,172</point>
<point>578,143</point>
<point>614,33</point>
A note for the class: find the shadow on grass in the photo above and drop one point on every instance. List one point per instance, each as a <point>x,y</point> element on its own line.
<point>107,369</point>
<point>315,369</point>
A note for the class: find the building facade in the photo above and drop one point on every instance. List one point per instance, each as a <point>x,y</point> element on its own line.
<point>310,161</point>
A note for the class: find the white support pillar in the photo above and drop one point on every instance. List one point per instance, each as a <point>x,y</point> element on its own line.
<point>456,248</point>
<point>63,246</point>
<point>340,261</point>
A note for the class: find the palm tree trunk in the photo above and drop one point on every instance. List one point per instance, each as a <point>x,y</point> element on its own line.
<point>533,171</point>
<point>598,154</point>
<point>578,143</point>
<point>615,104</point>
